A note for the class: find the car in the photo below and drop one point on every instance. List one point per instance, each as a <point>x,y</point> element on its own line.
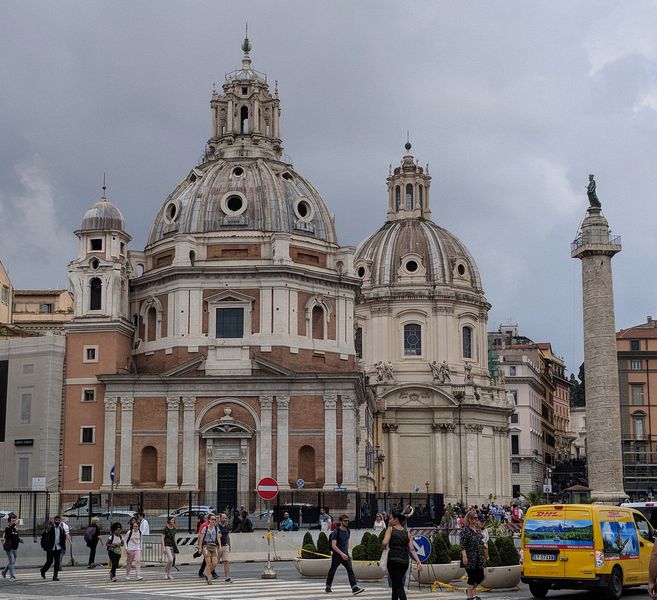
<point>4,513</point>
<point>183,511</point>
<point>117,515</point>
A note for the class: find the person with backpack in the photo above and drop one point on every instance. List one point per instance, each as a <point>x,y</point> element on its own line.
<point>114,543</point>
<point>91,538</point>
<point>209,542</point>
<point>169,545</point>
<point>53,541</point>
<point>339,540</point>
<point>516,514</point>
<point>10,543</point>
<point>247,526</point>
<point>133,550</point>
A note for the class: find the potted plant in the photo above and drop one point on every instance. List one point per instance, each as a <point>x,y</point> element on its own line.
<point>311,561</point>
<point>506,573</point>
<point>366,556</point>
<point>439,566</point>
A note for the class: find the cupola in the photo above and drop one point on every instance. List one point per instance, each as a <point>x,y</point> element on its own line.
<point>408,189</point>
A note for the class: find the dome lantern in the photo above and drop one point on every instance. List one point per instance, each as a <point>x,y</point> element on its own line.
<point>408,189</point>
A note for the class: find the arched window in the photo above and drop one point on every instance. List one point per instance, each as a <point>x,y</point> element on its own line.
<point>151,324</point>
<point>420,191</point>
<point>244,119</point>
<point>148,468</point>
<point>306,469</point>
<point>318,323</point>
<point>412,339</point>
<point>467,342</point>
<point>638,420</point>
<point>397,197</point>
<point>409,196</point>
<point>96,295</point>
<point>358,342</point>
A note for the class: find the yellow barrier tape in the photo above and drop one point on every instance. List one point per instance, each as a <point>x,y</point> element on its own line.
<point>300,550</point>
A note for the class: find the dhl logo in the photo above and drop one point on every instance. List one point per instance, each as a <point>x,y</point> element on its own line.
<point>546,513</point>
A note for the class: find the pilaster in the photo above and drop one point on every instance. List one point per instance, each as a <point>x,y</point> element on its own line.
<point>349,446</point>
<point>109,445</point>
<point>330,433</point>
<point>172,444</point>
<point>190,468</point>
<point>282,447</point>
<point>264,464</point>
<point>125,469</point>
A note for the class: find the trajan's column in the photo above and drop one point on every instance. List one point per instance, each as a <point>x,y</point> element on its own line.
<point>595,248</point>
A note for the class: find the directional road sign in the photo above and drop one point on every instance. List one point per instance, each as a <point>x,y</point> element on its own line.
<point>267,488</point>
<point>422,546</point>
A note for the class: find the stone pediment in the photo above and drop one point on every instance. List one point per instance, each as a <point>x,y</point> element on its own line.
<point>229,296</point>
<point>272,367</point>
<point>414,396</point>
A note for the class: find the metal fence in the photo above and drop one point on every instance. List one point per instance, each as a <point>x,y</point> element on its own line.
<point>35,508</point>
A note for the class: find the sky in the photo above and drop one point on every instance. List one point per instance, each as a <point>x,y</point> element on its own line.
<point>511,103</point>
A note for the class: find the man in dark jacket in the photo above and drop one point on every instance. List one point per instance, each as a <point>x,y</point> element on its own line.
<point>53,541</point>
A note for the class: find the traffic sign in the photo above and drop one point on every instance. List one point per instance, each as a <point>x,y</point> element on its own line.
<point>547,488</point>
<point>300,483</point>
<point>422,546</point>
<point>339,489</point>
<point>112,472</point>
<point>267,488</point>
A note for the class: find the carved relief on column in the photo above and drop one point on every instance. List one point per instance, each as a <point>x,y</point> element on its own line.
<point>282,447</point>
<point>263,468</point>
<point>109,443</point>
<point>171,469</point>
<point>330,453</point>
<point>125,451</point>
<point>349,448</point>
<point>190,468</point>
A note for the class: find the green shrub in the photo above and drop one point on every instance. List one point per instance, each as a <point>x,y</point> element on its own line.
<point>440,552</point>
<point>323,546</point>
<point>493,554</point>
<point>445,535</point>
<point>365,538</point>
<point>373,548</point>
<point>382,534</point>
<point>508,553</point>
<point>307,539</point>
<point>309,551</point>
<point>455,552</point>
<point>359,552</point>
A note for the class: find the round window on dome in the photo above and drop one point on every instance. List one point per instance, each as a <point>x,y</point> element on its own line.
<point>460,269</point>
<point>238,172</point>
<point>233,204</point>
<point>171,212</point>
<point>361,272</point>
<point>411,266</point>
<point>94,263</point>
<point>304,210</point>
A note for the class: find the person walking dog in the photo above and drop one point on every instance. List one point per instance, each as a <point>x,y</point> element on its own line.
<point>339,540</point>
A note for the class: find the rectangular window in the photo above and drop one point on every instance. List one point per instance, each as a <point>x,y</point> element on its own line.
<point>86,473</point>
<point>96,244</point>
<point>358,342</point>
<point>4,295</point>
<point>637,394</point>
<point>28,369</point>
<point>514,393</point>
<point>90,354</point>
<point>515,445</point>
<point>635,345</point>
<point>230,322</point>
<point>512,371</point>
<point>515,467</point>
<point>87,435</point>
<point>635,365</point>
<point>514,418</point>
<point>26,408</point>
<point>88,395</point>
<point>412,340</point>
<point>23,471</point>
<point>47,308</point>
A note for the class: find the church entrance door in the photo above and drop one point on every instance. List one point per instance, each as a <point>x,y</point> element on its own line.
<point>227,487</point>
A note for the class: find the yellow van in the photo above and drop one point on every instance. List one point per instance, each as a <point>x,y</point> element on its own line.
<point>585,546</point>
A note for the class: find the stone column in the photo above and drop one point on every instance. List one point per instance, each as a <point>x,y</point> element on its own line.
<point>109,446</point>
<point>264,464</point>
<point>330,434</point>
<point>472,431</point>
<point>190,468</point>
<point>505,463</point>
<point>393,457</point>
<point>282,448</point>
<point>438,458</point>
<point>451,466</point>
<point>595,248</point>
<point>349,447</point>
<point>172,444</point>
<point>125,469</point>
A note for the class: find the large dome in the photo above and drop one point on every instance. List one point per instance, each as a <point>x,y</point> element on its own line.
<point>103,216</point>
<point>244,194</point>
<point>415,251</point>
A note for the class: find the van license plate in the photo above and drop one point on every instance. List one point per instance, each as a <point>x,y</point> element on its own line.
<point>544,557</point>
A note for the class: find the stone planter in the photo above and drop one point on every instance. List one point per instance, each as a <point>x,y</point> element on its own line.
<point>502,577</point>
<point>460,570</point>
<point>436,572</point>
<point>313,567</point>
<point>368,570</point>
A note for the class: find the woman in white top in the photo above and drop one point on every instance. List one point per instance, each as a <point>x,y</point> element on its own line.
<point>133,549</point>
<point>379,523</point>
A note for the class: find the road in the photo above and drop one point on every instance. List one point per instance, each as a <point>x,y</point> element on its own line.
<point>78,583</point>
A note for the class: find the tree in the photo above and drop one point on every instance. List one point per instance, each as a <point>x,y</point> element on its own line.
<point>493,554</point>
<point>534,497</point>
<point>508,553</point>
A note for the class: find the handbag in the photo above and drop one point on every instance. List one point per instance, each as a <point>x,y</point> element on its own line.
<point>383,561</point>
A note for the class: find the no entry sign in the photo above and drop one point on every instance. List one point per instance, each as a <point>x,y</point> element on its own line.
<point>267,488</point>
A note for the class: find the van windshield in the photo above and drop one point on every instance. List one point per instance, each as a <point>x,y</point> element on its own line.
<point>568,533</point>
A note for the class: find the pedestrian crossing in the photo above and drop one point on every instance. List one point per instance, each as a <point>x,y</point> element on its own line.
<point>188,585</point>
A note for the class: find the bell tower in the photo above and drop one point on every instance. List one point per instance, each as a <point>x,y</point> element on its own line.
<point>408,189</point>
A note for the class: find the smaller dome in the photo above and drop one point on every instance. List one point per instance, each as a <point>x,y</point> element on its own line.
<point>103,215</point>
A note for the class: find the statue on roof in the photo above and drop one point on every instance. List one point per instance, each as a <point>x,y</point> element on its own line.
<point>591,193</point>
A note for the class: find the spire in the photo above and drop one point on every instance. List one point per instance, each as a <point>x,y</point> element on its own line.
<point>104,197</point>
<point>246,48</point>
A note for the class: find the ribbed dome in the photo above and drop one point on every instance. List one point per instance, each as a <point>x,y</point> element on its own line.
<point>103,215</point>
<point>415,251</point>
<point>244,194</point>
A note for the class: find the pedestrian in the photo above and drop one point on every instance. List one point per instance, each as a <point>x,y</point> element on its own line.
<point>247,526</point>
<point>69,541</point>
<point>325,520</point>
<point>144,526</point>
<point>53,541</point>
<point>225,545</point>
<point>237,522</point>
<point>286,524</point>
<point>199,552</point>
<point>10,542</point>
<point>91,537</point>
<point>400,543</point>
<point>472,554</point>
<point>209,541</point>
<point>339,540</point>
<point>133,550</point>
<point>114,543</point>
<point>379,523</point>
<point>169,546</point>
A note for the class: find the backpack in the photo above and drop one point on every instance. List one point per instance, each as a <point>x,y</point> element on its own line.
<point>89,533</point>
<point>44,540</point>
